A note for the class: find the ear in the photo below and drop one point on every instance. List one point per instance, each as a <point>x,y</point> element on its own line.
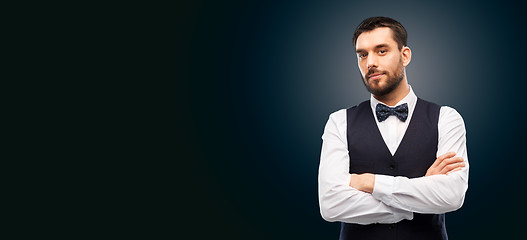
<point>406,55</point>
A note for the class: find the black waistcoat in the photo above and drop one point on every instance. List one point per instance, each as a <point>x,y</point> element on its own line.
<point>416,153</point>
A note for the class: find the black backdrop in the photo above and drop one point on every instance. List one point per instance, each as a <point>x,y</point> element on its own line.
<point>254,83</point>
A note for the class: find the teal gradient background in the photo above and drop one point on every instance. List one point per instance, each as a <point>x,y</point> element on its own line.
<point>254,84</point>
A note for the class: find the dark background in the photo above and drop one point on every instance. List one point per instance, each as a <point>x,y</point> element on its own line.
<point>254,83</point>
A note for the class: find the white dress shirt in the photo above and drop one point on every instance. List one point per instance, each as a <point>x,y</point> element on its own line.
<point>394,198</point>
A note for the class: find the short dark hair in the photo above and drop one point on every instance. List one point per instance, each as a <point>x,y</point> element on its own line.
<point>399,33</point>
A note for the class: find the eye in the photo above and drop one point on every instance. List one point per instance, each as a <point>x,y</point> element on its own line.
<point>362,55</point>
<point>382,51</point>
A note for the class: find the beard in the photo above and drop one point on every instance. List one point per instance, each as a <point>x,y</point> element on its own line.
<point>392,82</point>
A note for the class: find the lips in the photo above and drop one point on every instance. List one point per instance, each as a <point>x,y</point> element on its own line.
<point>375,76</point>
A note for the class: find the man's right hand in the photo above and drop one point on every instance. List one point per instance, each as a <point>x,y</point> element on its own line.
<point>445,164</point>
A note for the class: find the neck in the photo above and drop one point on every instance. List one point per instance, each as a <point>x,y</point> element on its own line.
<point>396,95</point>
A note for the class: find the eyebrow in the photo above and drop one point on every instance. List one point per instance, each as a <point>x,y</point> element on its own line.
<point>376,47</point>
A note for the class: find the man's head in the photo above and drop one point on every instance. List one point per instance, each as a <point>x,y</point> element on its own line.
<point>382,54</point>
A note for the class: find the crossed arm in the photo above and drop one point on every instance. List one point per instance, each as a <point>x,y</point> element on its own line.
<point>368,198</point>
<point>444,164</point>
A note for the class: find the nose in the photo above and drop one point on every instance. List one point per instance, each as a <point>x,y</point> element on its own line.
<point>371,62</point>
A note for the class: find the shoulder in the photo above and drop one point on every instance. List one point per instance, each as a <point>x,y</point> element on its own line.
<point>449,113</point>
<point>342,113</point>
<point>338,116</point>
<point>450,119</point>
<point>336,126</point>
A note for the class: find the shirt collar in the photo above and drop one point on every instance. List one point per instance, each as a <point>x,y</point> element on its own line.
<point>411,99</point>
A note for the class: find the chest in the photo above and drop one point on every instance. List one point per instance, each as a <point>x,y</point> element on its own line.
<point>368,151</point>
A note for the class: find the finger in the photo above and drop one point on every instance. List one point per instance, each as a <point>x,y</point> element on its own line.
<point>452,166</point>
<point>453,170</point>
<point>453,160</point>
<point>443,157</point>
<point>449,161</point>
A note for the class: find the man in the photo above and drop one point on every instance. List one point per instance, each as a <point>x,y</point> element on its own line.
<point>391,167</point>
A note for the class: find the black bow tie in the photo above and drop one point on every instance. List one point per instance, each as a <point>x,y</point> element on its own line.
<point>384,112</point>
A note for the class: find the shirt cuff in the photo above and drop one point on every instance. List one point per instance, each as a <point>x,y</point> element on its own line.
<point>383,188</point>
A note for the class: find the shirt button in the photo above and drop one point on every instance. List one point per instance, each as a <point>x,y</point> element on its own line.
<point>392,167</point>
<point>391,226</point>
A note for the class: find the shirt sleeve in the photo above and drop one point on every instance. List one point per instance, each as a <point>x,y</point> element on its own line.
<point>433,194</point>
<point>338,201</point>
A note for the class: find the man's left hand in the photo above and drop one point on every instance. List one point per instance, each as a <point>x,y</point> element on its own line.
<point>363,182</point>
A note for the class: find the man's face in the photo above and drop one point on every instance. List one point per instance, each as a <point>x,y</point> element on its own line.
<point>380,61</point>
